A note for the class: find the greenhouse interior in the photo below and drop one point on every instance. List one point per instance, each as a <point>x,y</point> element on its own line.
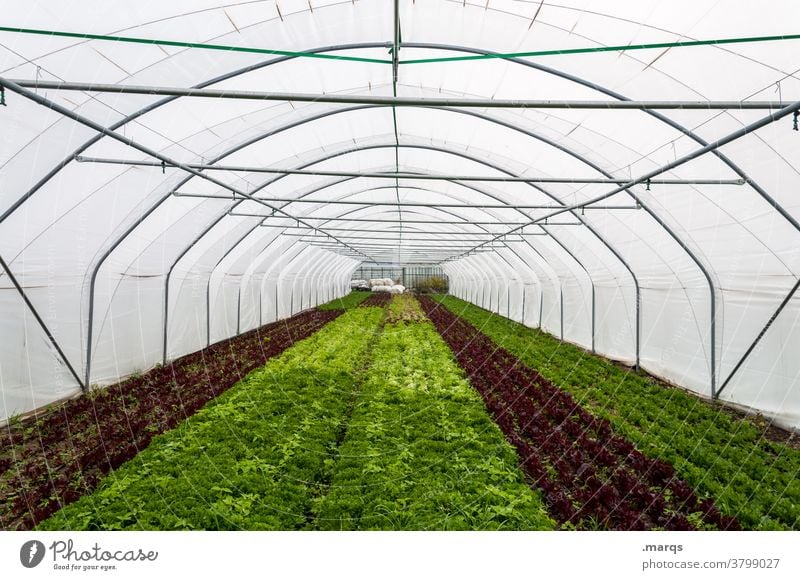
<point>400,265</point>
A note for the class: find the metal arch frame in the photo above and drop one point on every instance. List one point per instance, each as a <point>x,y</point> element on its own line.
<point>472,282</point>
<point>91,301</point>
<point>250,278</point>
<point>713,357</point>
<point>554,277</point>
<point>467,222</point>
<point>442,150</point>
<point>491,272</point>
<point>530,64</point>
<point>509,272</point>
<point>238,307</point>
<point>593,296</point>
<point>202,234</point>
<point>167,288</point>
<point>275,238</point>
<point>492,196</point>
<point>538,188</point>
<point>580,158</point>
<point>617,96</point>
<point>94,274</point>
<point>336,154</point>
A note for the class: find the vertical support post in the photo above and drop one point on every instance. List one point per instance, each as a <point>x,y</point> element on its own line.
<point>239,311</point>
<point>593,318</point>
<point>561,291</point>
<point>541,306</point>
<point>639,332</point>
<point>714,392</point>
<point>208,312</point>
<point>166,321</point>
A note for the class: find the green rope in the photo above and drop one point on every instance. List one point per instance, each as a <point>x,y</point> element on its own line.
<point>191,45</point>
<point>327,56</point>
<point>605,49</point>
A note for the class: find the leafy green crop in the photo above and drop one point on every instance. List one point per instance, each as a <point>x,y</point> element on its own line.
<point>421,451</point>
<point>345,302</point>
<point>252,458</point>
<point>404,308</point>
<point>721,456</point>
<point>318,438</point>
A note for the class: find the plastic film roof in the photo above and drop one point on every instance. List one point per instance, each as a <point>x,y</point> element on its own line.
<point>113,267</point>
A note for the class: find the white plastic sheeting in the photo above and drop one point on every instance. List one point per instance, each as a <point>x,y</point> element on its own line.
<point>109,250</point>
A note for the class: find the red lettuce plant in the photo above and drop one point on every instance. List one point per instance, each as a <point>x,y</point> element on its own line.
<point>590,476</point>
<point>52,460</point>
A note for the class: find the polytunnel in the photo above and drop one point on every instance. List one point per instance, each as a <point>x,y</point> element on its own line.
<point>156,162</point>
<point>621,175</point>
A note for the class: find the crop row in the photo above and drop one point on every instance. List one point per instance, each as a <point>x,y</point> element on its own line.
<point>353,428</point>
<point>591,476</point>
<point>420,451</point>
<point>404,308</point>
<point>728,457</point>
<point>254,458</point>
<point>346,302</point>
<point>52,460</point>
<point>377,299</point>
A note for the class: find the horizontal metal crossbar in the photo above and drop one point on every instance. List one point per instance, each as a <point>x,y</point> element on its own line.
<point>372,203</point>
<point>391,101</point>
<point>397,174</point>
<point>384,221</point>
<point>394,230</point>
<point>404,238</point>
